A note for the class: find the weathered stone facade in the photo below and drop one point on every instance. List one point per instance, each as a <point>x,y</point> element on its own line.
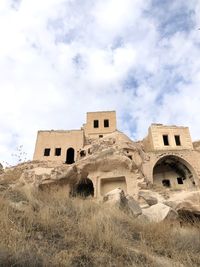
<point>97,158</point>
<point>66,146</point>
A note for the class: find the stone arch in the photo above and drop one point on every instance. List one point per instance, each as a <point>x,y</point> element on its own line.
<point>84,188</point>
<point>70,155</point>
<point>174,172</point>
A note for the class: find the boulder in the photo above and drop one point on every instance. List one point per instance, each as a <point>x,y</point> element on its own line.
<point>159,212</point>
<point>150,197</point>
<point>116,197</point>
<point>185,202</point>
<point>133,206</point>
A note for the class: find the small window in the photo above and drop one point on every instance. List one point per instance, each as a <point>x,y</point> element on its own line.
<point>47,152</point>
<point>106,123</point>
<point>166,183</point>
<point>96,124</point>
<point>82,153</point>
<point>180,180</point>
<point>165,140</point>
<point>101,136</point>
<point>177,140</point>
<point>58,151</point>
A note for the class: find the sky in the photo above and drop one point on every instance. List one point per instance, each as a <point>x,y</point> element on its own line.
<point>62,58</point>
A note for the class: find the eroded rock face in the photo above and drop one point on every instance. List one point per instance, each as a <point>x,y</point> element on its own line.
<point>114,157</point>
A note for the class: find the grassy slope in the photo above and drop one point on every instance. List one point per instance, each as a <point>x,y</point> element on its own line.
<point>55,231</point>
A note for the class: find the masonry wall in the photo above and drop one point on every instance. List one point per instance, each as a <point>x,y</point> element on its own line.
<point>58,139</point>
<point>93,132</point>
<point>155,142</point>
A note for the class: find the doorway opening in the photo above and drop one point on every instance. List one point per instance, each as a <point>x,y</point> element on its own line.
<point>70,156</point>
<point>84,188</point>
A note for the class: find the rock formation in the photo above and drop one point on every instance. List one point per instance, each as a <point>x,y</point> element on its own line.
<point>111,169</point>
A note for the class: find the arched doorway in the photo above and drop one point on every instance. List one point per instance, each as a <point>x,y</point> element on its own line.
<point>84,188</point>
<point>173,172</point>
<point>70,156</point>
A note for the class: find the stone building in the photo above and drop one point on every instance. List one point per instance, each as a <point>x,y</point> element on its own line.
<point>106,158</point>
<point>67,146</point>
<point>172,161</point>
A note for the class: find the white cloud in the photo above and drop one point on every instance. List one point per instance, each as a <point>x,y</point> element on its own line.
<point>62,58</point>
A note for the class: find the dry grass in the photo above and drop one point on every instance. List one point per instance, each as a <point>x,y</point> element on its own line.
<point>80,233</point>
<point>11,175</point>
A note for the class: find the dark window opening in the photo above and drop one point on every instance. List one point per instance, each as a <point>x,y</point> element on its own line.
<point>47,152</point>
<point>89,151</point>
<point>106,123</point>
<point>84,189</point>
<point>177,140</point>
<point>101,136</point>
<point>58,151</point>
<point>70,156</point>
<point>165,140</point>
<point>166,183</point>
<point>82,153</point>
<point>180,180</point>
<point>130,157</point>
<point>96,124</point>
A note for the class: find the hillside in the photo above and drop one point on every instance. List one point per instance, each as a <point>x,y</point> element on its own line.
<point>51,230</point>
<point>56,214</point>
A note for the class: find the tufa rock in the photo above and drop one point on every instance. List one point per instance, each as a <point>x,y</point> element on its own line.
<point>116,197</point>
<point>160,212</point>
<point>150,197</point>
<point>187,202</point>
<point>133,206</point>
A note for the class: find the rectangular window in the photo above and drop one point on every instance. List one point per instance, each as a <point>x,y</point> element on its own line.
<point>58,151</point>
<point>177,140</point>
<point>165,140</point>
<point>47,152</point>
<point>106,123</point>
<point>166,183</point>
<point>180,180</point>
<point>101,136</point>
<point>96,124</point>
